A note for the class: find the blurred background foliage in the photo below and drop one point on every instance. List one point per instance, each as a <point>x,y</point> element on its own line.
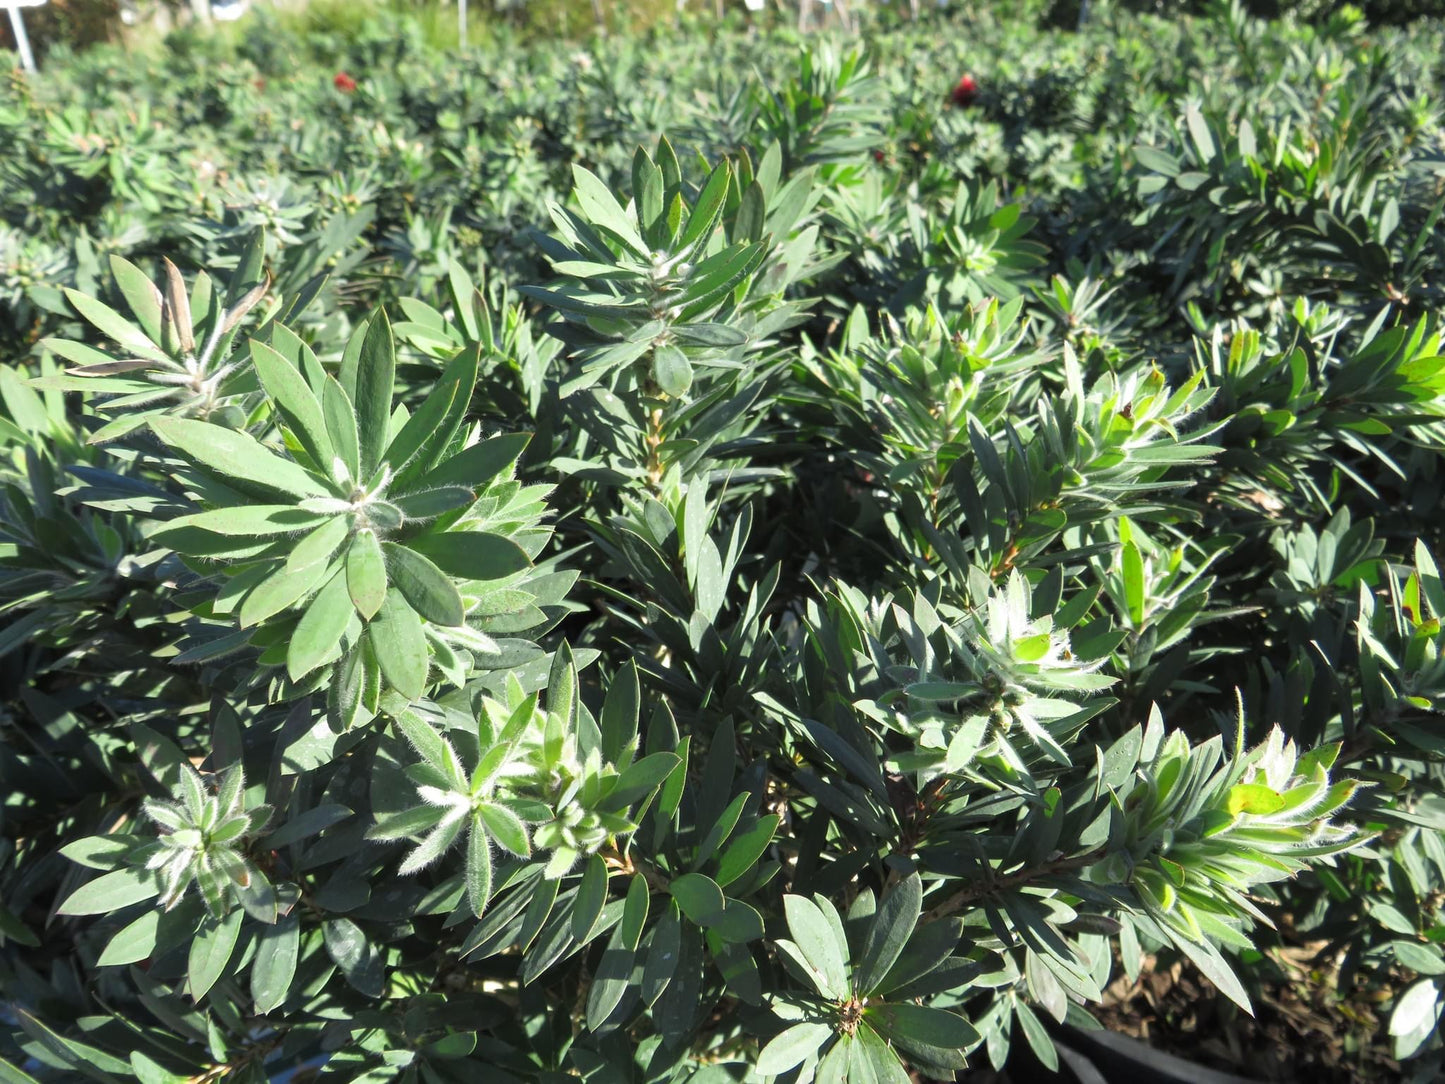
<point>81,23</point>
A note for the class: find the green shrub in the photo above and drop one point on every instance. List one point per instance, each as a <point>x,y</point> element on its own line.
<point>629,564</point>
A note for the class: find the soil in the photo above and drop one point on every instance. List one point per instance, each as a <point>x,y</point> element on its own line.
<point>1303,1029</point>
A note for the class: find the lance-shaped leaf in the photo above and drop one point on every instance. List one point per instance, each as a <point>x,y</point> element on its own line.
<point>375,377</point>
<point>428,589</point>
<point>816,938</point>
<point>295,401</point>
<point>318,634</point>
<point>111,891</point>
<point>236,458</point>
<point>399,641</point>
<point>472,555</point>
<point>366,574</point>
<point>252,520</point>
<point>114,325</point>
<point>791,1047</point>
<point>892,926</point>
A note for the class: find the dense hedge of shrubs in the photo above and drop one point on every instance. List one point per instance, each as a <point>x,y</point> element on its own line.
<point>633,562</point>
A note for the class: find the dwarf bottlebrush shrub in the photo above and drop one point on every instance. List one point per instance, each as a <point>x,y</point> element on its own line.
<point>778,614</point>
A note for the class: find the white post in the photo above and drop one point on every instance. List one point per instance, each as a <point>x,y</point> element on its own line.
<point>22,43</point>
<point>462,21</point>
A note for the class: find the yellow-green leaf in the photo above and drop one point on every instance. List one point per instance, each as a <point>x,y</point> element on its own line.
<point>1255,799</point>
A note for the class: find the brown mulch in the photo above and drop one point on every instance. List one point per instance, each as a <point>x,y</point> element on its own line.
<point>1303,1029</point>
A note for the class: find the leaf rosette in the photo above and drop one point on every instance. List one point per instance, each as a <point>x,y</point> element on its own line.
<point>371,546</point>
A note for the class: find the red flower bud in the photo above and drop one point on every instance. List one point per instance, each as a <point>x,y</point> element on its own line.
<point>965,92</point>
<point>878,156</point>
<point>344,83</point>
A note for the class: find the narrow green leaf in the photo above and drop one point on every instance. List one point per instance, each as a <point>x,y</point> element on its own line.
<point>537,911</point>
<point>318,634</point>
<point>428,504</point>
<point>100,852</point>
<point>738,922</point>
<point>90,1060</point>
<point>1253,798</point>
<point>928,948</point>
<point>506,828</point>
<point>881,1062</point>
<point>1132,570</point>
<point>610,981</point>
<point>424,586</point>
<point>110,892</point>
<point>1423,959</point>
<point>114,325</point>
<point>305,824</point>
<point>432,846</point>
<point>720,829</point>
<point>479,867</point>
<point>9,1074</point>
<point>278,948</point>
<point>13,929</point>
<point>662,953</point>
<point>375,378</point>
<point>295,402</point>
<point>340,418</point>
<point>892,926</point>
<point>924,1030</point>
<point>737,966</point>
<point>742,854</point>
<point>399,642</point>
<point>140,294</point>
<point>816,939</point>
<point>634,911</point>
<point>407,824</point>
<point>835,1066</point>
<point>709,205</point>
<point>133,943</point>
<point>211,952</point>
<point>357,958</point>
<point>435,421</point>
<point>603,210</point>
<point>1214,968</point>
<point>591,896</point>
<point>235,457</point>
<point>149,1071</point>
<point>710,334</point>
<point>640,779</point>
<point>282,589</point>
<point>671,371</point>
<point>365,574</point>
<point>752,214</point>
<point>424,738</point>
<point>1037,1035</point>
<point>620,708</point>
<point>1199,132</point>
<point>792,1047</point>
<point>252,520</point>
<point>472,555</point>
<point>319,544</point>
<point>477,466</point>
